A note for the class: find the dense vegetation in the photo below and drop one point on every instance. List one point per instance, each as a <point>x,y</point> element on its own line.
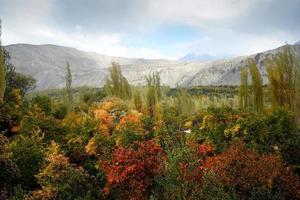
<point>152,142</point>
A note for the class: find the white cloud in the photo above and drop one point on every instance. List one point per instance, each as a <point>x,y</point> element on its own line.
<point>102,43</point>
<point>199,13</point>
<point>230,27</point>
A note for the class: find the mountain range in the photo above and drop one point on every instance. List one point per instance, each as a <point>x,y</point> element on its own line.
<point>47,64</point>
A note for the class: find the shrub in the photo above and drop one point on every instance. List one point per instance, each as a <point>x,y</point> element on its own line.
<point>27,154</point>
<point>61,180</point>
<point>243,170</point>
<point>131,172</point>
<point>36,120</point>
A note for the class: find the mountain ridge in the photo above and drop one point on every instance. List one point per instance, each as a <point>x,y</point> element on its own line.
<point>46,63</point>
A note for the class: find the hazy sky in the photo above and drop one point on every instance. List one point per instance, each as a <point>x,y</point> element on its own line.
<point>153,28</point>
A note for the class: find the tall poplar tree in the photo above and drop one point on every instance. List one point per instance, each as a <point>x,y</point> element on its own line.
<point>243,92</point>
<point>154,93</point>
<point>69,88</point>
<point>282,73</point>
<point>137,99</point>
<point>257,86</point>
<point>116,84</point>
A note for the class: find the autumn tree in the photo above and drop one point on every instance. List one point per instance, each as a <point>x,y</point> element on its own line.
<point>61,180</point>
<point>282,73</point>
<point>116,84</point>
<point>137,99</point>
<point>243,91</point>
<point>132,171</point>
<point>242,170</point>
<point>154,93</point>
<point>257,86</point>
<point>69,87</point>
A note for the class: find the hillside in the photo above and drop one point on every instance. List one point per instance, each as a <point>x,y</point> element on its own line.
<point>46,63</point>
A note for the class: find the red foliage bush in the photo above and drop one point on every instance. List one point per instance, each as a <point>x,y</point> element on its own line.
<point>131,172</point>
<point>245,169</point>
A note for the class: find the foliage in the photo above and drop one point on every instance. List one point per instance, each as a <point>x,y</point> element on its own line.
<point>137,99</point>
<point>129,129</point>
<point>243,93</point>
<point>69,88</point>
<point>257,85</point>
<point>244,170</point>
<point>282,74</point>
<point>10,113</point>
<point>180,143</point>
<point>38,121</point>
<point>27,154</point>
<point>154,94</point>
<point>185,103</point>
<point>183,174</point>
<point>131,172</point>
<point>116,84</point>
<point>62,180</point>
<point>42,102</point>
<point>15,80</point>
<point>214,124</point>
<point>9,170</point>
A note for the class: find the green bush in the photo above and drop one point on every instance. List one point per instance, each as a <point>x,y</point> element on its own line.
<point>27,154</point>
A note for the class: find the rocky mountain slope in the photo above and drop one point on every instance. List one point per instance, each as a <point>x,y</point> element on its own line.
<point>47,64</point>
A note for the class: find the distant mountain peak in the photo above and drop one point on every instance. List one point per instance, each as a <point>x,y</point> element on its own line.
<point>298,42</point>
<point>198,57</point>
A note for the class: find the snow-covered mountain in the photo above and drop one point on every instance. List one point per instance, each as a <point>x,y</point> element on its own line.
<point>47,64</point>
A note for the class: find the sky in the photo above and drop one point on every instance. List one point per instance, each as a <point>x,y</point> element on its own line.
<point>153,28</point>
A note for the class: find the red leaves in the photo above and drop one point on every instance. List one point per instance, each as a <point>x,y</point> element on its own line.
<point>131,172</point>
<point>245,169</point>
<point>204,149</point>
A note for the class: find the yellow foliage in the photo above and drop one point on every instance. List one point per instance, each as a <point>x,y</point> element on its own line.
<point>72,119</point>
<point>91,147</point>
<point>188,124</point>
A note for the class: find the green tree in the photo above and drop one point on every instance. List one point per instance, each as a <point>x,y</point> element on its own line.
<point>185,103</point>
<point>137,99</point>
<point>257,86</point>
<point>282,73</point>
<point>154,93</point>
<point>117,85</point>
<point>157,86</point>
<point>69,88</point>
<point>14,80</point>
<point>27,153</point>
<point>243,92</point>
<point>9,170</point>
<point>43,102</point>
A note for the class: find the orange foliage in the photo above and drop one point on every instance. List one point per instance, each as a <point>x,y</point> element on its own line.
<point>106,121</point>
<point>130,121</point>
